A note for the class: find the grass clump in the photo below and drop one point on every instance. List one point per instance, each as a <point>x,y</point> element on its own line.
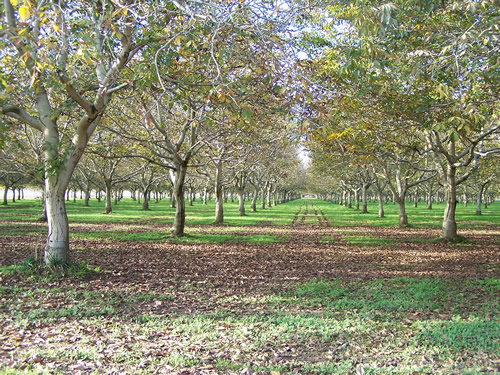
<point>34,267</point>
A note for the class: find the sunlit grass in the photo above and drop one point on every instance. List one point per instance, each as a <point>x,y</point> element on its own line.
<point>128,211</point>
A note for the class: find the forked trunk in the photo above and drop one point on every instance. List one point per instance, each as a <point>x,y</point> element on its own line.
<point>57,247</point>
<point>178,195</point>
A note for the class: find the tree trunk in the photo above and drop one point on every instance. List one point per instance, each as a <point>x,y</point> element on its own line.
<point>205,193</point>
<point>145,200</point>
<point>241,202</point>
<point>364,210</point>
<point>381,212</point>
<point>263,197</point>
<point>479,199</point>
<point>219,195</point>
<point>173,197</point>
<point>178,195</point>
<point>449,223</point>
<point>87,198</point>
<point>5,196</point>
<point>403,217</point>
<point>57,247</point>
<point>107,206</point>
<point>254,200</point>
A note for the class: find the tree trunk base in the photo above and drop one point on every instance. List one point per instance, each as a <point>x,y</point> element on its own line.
<point>450,230</point>
<point>56,253</point>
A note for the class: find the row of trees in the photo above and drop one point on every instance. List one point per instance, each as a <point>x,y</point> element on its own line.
<point>161,82</point>
<point>365,183</point>
<point>404,95</point>
<point>265,169</point>
<point>405,91</point>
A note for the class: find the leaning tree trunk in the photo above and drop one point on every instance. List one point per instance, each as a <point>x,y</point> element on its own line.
<point>57,247</point>
<point>219,195</point>
<point>449,223</point>
<point>241,202</point>
<point>180,207</point>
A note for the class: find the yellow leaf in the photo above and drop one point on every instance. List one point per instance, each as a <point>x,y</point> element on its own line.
<point>178,39</point>
<point>56,28</point>
<point>13,2</point>
<point>24,12</point>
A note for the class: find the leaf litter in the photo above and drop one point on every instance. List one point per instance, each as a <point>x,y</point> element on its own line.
<point>161,307</point>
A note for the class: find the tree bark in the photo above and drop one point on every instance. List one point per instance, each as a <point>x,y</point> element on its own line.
<point>219,195</point>
<point>87,198</point>
<point>57,247</point>
<point>178,195</point>
<point>241,202</point>
<point>254,200</point>
<point>5,196</point>
<point>364,209</point>
<point>449,223</point>
<point>145,200</point>
<point>107,205</point>
<point>403,217</point>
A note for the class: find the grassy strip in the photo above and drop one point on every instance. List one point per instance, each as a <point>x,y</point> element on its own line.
<point>394,326</point>
<point>128,211</point>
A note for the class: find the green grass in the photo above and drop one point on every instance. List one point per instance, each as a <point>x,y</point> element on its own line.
<point>368,241</point>
<point>388,326</point>
<point>128,211</point>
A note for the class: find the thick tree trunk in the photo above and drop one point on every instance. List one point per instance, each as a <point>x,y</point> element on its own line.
<point>107,206</point>
<point>241,202</point>
<point>178,195</point>
<point>57,247</point>
<point>145,200</point>
<point>219,195</point>
<point>449,223</point>
<point>364,210</point>
<point>403,217</point>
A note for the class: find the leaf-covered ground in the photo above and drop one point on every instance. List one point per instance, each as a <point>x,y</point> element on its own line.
<point>314,299</point>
